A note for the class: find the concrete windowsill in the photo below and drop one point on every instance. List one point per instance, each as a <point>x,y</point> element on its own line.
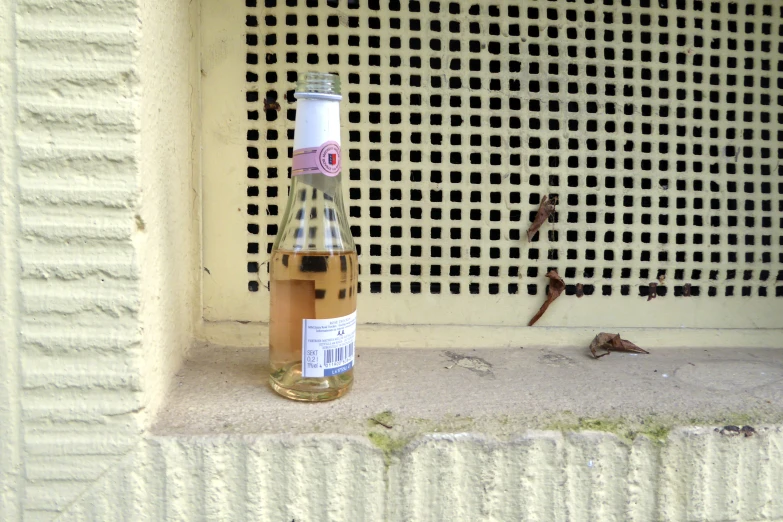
<point>223,390</point>
<point>464,439</point>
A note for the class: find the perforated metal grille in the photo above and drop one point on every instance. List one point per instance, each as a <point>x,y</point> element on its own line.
<point>655,124</point>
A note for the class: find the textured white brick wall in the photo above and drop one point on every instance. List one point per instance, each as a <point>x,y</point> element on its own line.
<point>9,273</point>
<point>80,290</point>
<point>97,209</point>
<point>698,475</point>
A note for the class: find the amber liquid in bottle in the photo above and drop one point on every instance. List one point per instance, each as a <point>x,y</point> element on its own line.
<point>307,285</point>
<point>313,268</point>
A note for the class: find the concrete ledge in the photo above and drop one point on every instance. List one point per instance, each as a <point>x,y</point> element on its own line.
<point>499,392</point>
<point>511,434</point>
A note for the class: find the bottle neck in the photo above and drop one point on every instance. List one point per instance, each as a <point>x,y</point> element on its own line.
<point>315,217</point>
<point>317,160</point>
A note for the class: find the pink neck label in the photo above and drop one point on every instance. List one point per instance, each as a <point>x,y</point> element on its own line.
<point>321,160</point>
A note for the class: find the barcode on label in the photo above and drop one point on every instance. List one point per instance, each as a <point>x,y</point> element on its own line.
<point>328,346</point>
<point>338,355</point>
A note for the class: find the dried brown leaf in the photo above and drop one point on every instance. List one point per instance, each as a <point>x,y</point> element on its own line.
<point>580,289</point>
<point>653,291</point>
<point>271,105</point>
<point>556,287</point>
<point>545,209</point>
<point>612,343</point>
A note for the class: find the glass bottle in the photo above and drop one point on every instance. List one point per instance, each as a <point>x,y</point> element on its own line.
<point>313,269</point>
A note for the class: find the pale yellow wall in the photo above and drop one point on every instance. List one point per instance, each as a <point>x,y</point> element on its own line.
<point>223,133</point>
<point>166,234</point>
<point>98,237</point>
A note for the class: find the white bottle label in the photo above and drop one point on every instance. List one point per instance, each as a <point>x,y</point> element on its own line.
<point>328,345</point>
